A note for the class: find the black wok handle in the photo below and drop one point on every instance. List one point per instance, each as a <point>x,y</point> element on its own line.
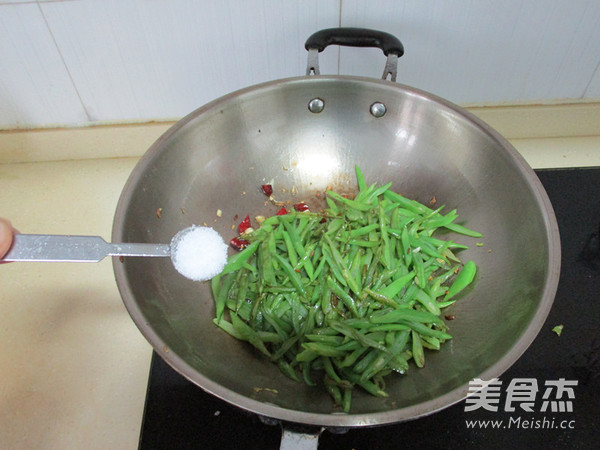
<point>355,37</point>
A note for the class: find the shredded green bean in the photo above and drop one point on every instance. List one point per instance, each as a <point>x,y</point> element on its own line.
<point>355,291</point>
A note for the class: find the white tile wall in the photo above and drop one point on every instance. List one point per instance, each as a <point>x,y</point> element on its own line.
<point>74,62</point>
<point>593,88</point>
<point>141,59</point>
<point>123,60</point>
<point>35,87</point>
<point>485,51</point>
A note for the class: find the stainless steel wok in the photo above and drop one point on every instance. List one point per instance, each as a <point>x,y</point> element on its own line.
<point>305,134</point>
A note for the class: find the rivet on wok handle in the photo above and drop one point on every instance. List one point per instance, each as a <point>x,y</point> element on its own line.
<point>378,109</point>
<point>354,37</point>
<point>316,105</point>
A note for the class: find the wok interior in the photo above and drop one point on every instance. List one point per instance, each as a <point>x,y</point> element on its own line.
<point>218,157</point>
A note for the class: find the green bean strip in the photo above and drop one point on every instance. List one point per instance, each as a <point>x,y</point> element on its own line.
<point>343,268</point>
<point>361,243</point>
<point>396,315</point>
<point>391,327</point>
<point>281,327</point>
<point>291,251</point>
<point>463,230</point>
<point>330,371</point>
<point>352,357</point>
<point>394,288</point>
<point>300,250</point>
<point>221,300</point>
<point>366,360</point>
<point>334,340</point>
<point>307,355</point>
<point>355,268</point>
<point>364,230</point>
<point>343,295</point>
<point>320,267</point>
<point>377,192</point>
<point>411,205</point>
<point>228,328</point>
<point>291,273</point>
<point>357,335</point>
<point>397,343</point>
<point>265,263</point>
<point>355,291</point>
<point>417,349</point>
<point>360,179</point>
<point>235,262</point>
<point>426,331</point>
<point>368,386</point>
<point>323,349</point>
<point>333,389</point>
<point>306,372</point>
<point>430,342</point>
<point>464,278</point>
<point>242,289</point>
<point>387,250</point>
<point>248,334</point>
<point>426,300</point>
<point>346,398</point>
<point>381,298</point>
<point>288,370</point>
<point>359,206</point>
<point>443,305</point>
<point>334,267</point>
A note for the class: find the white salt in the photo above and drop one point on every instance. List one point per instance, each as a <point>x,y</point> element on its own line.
<point>198,253</point>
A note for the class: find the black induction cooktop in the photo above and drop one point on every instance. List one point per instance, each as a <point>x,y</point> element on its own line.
<point>550,398</point>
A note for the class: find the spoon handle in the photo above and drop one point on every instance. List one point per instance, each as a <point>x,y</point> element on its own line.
<point>59,248</point>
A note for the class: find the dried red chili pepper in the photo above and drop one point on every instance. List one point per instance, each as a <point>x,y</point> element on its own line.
<point>282,211</point>
<point>244,224</point>
<point>238,243</point>
<point>267,189</point>
<point>301,207</point>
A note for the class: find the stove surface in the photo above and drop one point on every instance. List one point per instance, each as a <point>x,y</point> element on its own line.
<point>180,415</point>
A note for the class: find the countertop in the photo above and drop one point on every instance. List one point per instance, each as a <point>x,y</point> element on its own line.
<point>73,365</point>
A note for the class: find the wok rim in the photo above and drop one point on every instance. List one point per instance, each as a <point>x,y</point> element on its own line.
<point>337,419</point>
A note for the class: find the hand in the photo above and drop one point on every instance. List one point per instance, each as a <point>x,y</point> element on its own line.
<point>6,236</point>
